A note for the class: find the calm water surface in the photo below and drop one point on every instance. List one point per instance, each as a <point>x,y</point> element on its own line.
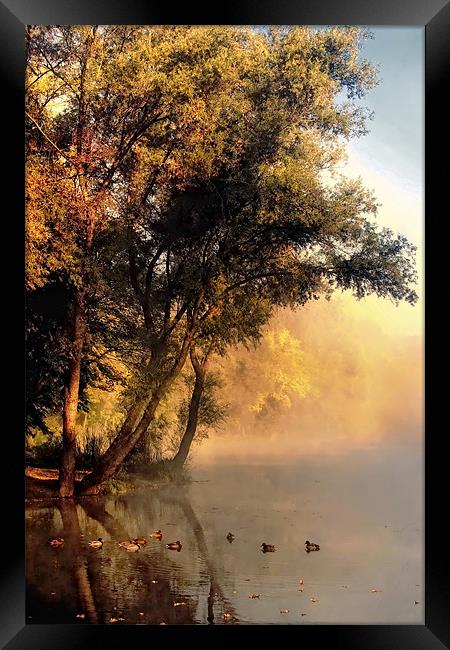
<point>365,509</point>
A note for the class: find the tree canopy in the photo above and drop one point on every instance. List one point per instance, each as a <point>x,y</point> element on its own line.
<point>182,184</point>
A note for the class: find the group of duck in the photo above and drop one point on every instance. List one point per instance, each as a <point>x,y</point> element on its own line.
<point>270,548</point>
<point>136,543</point>
<point>130,545</point>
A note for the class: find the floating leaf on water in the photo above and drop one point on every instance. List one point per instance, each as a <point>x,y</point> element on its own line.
<point>254,595</point>
<point>141,613</point>
<point>284,611</point>
<point>375,591</point>
<point>80,616</point>
<point>303,614</point>
<point>344,586</point>
<point>314,600</point>
<point>179,604</point>
<point>154,582</point>
<point>234,591</point>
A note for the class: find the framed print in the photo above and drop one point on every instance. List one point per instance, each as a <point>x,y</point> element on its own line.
<point>229,421</point>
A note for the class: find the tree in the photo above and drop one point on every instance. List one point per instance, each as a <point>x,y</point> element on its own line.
<point>93,93</point>
<point>268,380</point>
<point>238,321</point>
<point>196,161</point>
<point>262,218</point>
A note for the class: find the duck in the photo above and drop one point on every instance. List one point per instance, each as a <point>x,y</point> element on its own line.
<point>96,543</point>
<point>311,546</point>
<point>130,545</point>
<point>174,546</point>
<point>157,534</point>
<point>230,537</point>
<point>267,548</point>
<point>126,543</point>
<point>140,540</point>
<point>55,543</point>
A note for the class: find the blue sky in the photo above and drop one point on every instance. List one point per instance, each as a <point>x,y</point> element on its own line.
<point>390,161</point>
<point>395,142</point>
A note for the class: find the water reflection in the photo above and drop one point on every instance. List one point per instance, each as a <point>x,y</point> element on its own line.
<point>75,550</point>
<point>365,511</point>
<point>215,590</point>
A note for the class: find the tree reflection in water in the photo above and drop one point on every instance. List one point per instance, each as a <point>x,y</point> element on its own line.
<point>181,500</point>
<point>152,599</point>
<point>79,584</point>
<point>72,542</point>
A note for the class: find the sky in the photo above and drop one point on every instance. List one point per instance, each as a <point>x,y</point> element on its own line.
<point>390,159</point>
<point>394,146</point>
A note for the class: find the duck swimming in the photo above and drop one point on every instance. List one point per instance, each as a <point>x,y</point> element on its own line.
<point>267,548</point>
<point>311,546</point>
<point>174,546</point>
<point>96,543</point>
<point>230,537</point>
<point>157,534</point>
<point>130,545</point>
<point>140,540</point>
<point>55,543</point>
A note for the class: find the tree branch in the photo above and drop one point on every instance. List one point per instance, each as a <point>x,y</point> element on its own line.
<point>50,141</point>
<point>134,275</point>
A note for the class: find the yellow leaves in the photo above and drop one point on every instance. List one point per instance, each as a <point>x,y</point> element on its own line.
<point>50,244</point>
<point>274,375</point>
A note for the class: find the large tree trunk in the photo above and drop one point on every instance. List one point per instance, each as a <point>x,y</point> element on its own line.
<point>70,409</point>
<point>191,426</point>
<point>127,439</point>
<point>71,395</point>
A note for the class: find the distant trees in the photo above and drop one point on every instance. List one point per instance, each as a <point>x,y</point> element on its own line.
<point>194,198</point>
<point>271,378</point>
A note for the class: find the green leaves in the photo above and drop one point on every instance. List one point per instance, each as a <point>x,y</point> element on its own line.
<point>185,178</point>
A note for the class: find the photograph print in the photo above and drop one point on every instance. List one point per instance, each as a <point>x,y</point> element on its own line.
<point>224,325</point>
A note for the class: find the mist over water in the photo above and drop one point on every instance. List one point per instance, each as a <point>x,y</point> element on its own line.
<point>366,388</point>
<point>364,509</point>
<point>337,459</point>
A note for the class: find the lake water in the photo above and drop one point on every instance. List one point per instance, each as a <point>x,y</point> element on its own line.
<point>365,509</point>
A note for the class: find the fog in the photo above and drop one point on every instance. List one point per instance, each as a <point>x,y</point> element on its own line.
<point>346,376</point>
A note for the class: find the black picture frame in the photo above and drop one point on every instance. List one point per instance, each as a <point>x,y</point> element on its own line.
<point>434,17</point>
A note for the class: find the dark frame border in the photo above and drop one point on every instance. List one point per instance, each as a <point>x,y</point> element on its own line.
<point>434,16</point>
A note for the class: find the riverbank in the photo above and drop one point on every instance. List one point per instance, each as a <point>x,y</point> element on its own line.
<point>364,510</point>
<point>42,483</point>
